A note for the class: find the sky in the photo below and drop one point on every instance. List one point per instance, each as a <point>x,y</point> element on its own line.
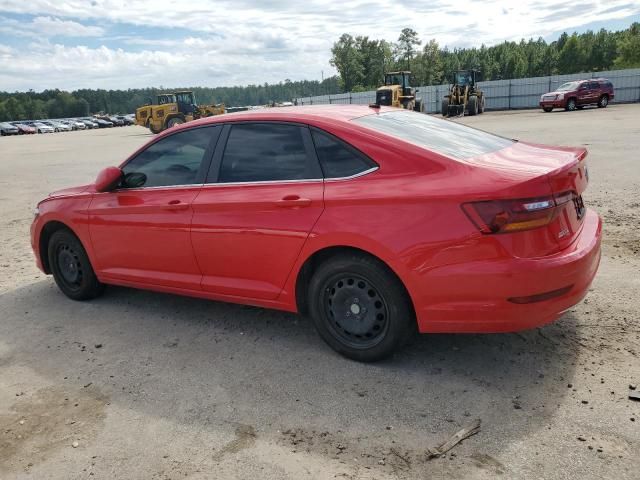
<point>118,44</point>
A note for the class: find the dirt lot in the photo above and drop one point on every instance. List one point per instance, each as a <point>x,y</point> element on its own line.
<point>155,386</point>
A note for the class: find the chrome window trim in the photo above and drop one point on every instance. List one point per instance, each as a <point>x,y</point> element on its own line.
<point>355,175</point>
<point>262,182</point>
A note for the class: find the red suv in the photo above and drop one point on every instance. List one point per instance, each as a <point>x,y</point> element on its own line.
<point>577,94</point>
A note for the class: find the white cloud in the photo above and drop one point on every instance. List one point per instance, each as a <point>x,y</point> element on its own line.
<point>229,42</point>
<point>47,27</point>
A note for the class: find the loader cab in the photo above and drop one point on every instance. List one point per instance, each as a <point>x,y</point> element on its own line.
<point>399,78</point>
<point>186,102</point>
<point>465,78</point>
<point>165,98</point>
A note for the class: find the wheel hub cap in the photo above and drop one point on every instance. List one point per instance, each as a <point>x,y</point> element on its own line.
<point>356,312</point>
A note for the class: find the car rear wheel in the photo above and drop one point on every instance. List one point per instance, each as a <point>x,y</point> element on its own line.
<point>360,308</point>
<point>571,104</point>
<point>71,268</point>
<point>603,101</point>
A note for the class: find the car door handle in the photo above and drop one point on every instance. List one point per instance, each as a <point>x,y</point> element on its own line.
<point>293,201</point>
<point>176,205</point>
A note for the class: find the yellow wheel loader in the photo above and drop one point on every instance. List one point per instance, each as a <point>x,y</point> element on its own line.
<point>464,96</point>
<point>173,109</point>
<point>397,92</point>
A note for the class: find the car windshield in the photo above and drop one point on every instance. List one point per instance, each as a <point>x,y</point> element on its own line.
<point>567,86</point>
<point>440,136</point>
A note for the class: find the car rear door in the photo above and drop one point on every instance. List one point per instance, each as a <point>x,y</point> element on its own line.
<point>141,231</point>
<point>262,196</point>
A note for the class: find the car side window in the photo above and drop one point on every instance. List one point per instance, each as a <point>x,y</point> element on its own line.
<point>338,159</point>
<point>258,152</point>
<point>174,160</point>
<point>594,85</point>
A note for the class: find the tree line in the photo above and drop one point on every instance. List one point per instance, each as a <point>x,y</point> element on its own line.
<point>59,104</point>
<point>361,63</point>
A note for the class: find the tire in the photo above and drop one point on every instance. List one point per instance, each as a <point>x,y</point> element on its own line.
<point>481,106</point>
<point>359,308</point>
<point>419,106</point>
<point>472,106</point>
<point>71,268</point>
<point>571,105</point>
<point>445,107</point>
<point>603,101</point>
<point>153,130</point>
<point>547,109</point>
<point>174,122</point>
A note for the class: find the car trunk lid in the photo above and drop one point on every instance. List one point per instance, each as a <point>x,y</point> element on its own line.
<point>537,172</point>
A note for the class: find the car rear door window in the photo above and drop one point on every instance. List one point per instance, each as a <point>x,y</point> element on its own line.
<point>594,85</point>
<point>337,159</point>
<point>258,152</point>
<point>174,160</point>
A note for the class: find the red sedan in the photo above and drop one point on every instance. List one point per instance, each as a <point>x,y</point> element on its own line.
<point>375,221</point>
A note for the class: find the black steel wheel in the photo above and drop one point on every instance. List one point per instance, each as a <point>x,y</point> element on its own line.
<point>355,310</point>
<point>360,308</point>
<point>71,268</point>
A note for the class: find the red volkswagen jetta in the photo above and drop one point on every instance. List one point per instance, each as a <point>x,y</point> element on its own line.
<point>374,221</point>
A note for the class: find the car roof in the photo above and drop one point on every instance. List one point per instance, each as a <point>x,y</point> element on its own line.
<point>303,114</point>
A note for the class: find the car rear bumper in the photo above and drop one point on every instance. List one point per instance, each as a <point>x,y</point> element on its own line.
<point>486,290</point>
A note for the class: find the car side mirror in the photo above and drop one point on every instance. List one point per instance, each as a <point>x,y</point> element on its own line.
<point>108,179</point>
<point>135,179</point>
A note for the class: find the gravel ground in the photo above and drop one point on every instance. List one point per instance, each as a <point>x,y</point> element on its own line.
<point>139,385</point>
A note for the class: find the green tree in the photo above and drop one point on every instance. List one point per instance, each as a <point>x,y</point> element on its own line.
<point>407,43</point>
<point>347,60</point>
<point>629,48</point>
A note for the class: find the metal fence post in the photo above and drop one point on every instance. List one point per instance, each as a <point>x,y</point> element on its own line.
<point>509,94</point>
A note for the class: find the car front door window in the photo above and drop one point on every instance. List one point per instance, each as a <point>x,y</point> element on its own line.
<point>178,159</point>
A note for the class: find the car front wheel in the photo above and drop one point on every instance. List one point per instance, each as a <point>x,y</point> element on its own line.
<point>360,308</point>
<point>71,268</point>
<point>571,104</point>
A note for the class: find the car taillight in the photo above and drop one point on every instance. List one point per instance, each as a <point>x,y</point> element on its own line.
<point>506,216</point>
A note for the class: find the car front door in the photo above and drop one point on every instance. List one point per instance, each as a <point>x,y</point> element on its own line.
<point>584,94</point>
<point>252,217</point>
<point>140,232</point>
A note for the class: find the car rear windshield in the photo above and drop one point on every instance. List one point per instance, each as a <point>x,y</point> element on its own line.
<point>441,136</point>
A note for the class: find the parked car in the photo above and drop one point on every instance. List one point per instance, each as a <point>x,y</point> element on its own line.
<point>577,94</point>
<point>42,128</point>
<point>23,128</point>
<point>58,126</point>
<point>376,221</point>
<point>125,120</point>
<point>78,124</point>
<point>103,123</point>
<point>89,123</point>
<point>8,129</point>
<point>117,122</point>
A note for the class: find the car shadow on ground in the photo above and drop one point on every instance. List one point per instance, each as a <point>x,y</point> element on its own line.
<point>211,364</point>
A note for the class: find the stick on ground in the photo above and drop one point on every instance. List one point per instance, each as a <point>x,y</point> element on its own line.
<point>456,438</point>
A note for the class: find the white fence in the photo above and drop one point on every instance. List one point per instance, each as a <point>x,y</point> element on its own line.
<point>501,94</point>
